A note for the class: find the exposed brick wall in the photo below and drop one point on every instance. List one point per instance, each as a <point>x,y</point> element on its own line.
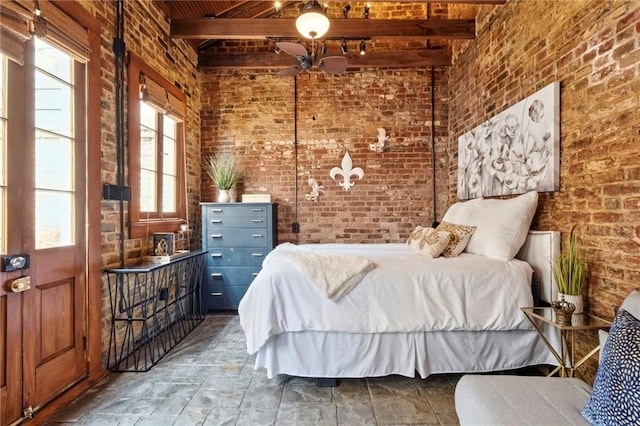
<point>251,114</point>
<point>592,48</point>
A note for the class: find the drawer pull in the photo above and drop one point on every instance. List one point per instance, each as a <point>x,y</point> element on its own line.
<point>216,254</point>
<point>255,274</point>
<point>216,294</point>
<point>257,235</point>
<point>216,275</point>
<point>256,254</point>
<point>216,235</point>
<point>216,210</point>
<point>256,210</point>
<point>216,220</point>
<point>257,220</point>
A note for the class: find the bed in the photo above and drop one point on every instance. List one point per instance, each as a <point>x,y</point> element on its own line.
<point>409,314</point>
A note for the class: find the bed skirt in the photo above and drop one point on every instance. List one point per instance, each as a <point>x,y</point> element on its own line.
<point>351,355</point>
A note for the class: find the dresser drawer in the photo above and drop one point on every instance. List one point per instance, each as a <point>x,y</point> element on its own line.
<point>234,210</point>
<point>236,222</point>
<point>232,256</point>
<point>228,276</point>
<point>234,237</point>
<point>227,297</point>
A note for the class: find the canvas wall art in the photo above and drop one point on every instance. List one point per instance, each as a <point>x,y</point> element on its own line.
<point>515,151</point>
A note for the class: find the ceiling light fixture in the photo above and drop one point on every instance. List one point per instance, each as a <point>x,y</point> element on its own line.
<point>343,47</point>
<point>345,10</point>
<point>363,47</point>
<point>312,22</point>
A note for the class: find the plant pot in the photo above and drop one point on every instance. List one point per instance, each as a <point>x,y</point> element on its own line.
<point>224,196</point>
<point>576,299</point>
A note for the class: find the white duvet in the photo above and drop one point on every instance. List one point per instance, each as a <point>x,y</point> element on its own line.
<point>406,292</point>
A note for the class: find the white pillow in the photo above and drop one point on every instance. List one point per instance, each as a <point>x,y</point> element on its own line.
<point>501,225</point>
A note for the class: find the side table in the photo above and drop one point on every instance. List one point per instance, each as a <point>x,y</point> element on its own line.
<point>566,358</point>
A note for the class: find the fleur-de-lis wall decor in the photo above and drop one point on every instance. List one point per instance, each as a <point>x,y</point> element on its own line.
<point>316,190</point>
<point>346,172</point>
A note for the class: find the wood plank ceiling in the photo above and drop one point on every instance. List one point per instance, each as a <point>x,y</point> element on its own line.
<point>242,34</point>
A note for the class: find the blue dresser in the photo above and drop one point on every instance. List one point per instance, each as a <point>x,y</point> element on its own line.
<point>238,236</point>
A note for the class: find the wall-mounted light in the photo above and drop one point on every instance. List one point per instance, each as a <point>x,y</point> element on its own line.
<point>277,50</point>
<point>345,10</point>
<point>363,47</point>
<point>343,47</point>
<point>278,7</point>
<point>367,8</point>
<point>323,47</point>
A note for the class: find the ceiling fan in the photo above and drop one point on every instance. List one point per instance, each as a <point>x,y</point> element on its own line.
<point>306,60</point>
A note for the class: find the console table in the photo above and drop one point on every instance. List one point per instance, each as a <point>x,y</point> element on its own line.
<point>153,307</point>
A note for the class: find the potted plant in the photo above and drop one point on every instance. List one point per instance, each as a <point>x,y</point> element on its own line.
<point>569,269</point>
<point>224,172</point>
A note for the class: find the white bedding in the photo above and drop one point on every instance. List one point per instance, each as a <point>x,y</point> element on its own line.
<point>406,292</point>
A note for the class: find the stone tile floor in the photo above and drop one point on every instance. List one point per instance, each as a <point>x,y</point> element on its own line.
<point>209,379</point>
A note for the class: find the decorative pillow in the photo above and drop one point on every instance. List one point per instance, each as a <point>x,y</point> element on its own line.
<point>416,236</point>
<point>428,241</point>
<point>502,225</point>
<point>460,235</point>
<point>615,399</point>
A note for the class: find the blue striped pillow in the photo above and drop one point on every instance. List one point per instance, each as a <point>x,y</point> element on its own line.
<point>615,399</point>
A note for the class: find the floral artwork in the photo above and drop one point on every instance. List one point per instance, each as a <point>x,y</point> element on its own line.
<point>514,152</point>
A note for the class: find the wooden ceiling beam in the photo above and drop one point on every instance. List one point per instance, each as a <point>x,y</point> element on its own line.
<point>255,29</point>
<point>383,59</point>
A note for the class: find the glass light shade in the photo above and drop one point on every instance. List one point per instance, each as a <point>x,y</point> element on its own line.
<point>312,23</point>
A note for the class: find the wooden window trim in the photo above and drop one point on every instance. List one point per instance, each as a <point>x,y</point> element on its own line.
<point>141,225</point>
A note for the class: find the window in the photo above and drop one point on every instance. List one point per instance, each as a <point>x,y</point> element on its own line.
<point>156,151</point>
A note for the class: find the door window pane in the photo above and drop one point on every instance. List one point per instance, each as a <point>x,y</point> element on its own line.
<point>54,169</point>
<point>53,61</point>
<point>54,219</point>
<point>53,105</point>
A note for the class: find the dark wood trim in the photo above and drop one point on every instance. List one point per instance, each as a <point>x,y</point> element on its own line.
<point>386,59</point>
<point>356,28</point>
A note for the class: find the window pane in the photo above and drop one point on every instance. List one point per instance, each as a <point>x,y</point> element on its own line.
<point>147,191</point>
<point>169,157</point>
<point>54,219</point>
<point>54,168</point>
<point>148,116</point>
<point>53,105</point>
<point>3,154</point>
<point>3,72</point>
<point>168,193</point>
<point>53,61</point>
<point>169,125</point>
<point>147,148</point>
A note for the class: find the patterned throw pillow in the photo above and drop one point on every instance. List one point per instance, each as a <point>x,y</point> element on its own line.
<point>416,236</point>
<point>460,235</point>
<point>615,399</point>
<point>428,241</point>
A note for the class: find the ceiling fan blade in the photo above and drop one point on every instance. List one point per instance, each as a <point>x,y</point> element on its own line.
<point>333,64</point>
<point>293,49</point>
<point>289,72</point>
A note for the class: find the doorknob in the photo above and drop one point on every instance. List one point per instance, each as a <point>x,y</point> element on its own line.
<point>20,284</point>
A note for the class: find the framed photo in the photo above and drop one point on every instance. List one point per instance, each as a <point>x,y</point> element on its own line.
<point>163,244</point>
